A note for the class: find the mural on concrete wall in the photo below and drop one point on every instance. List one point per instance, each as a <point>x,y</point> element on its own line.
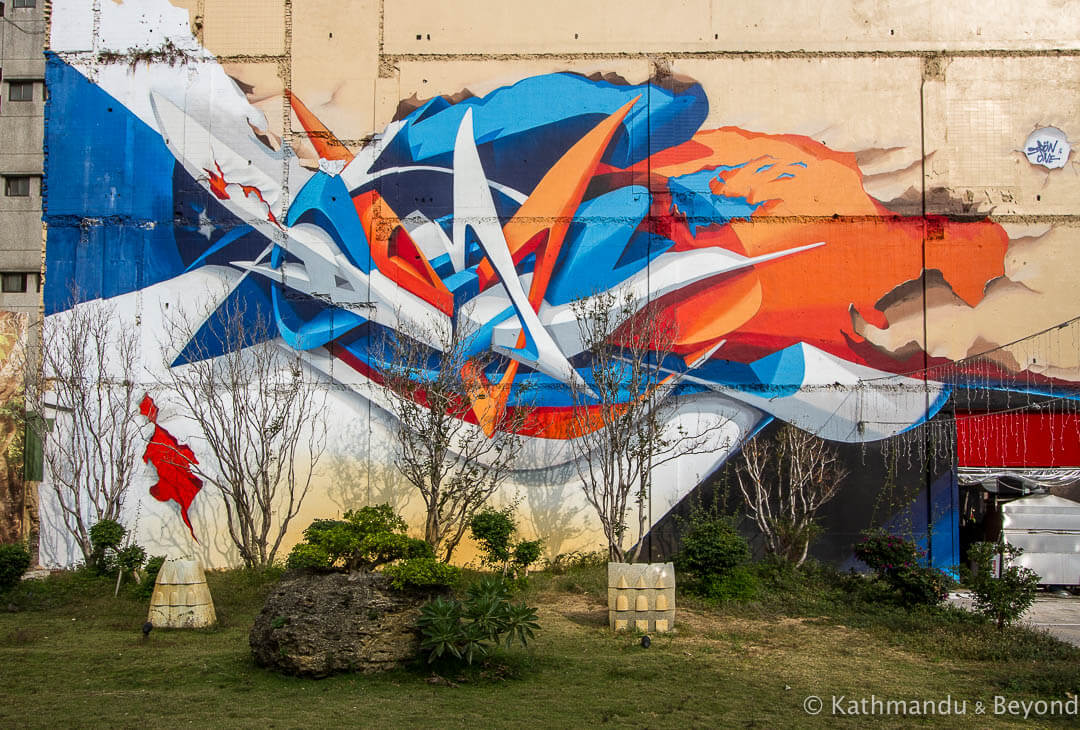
<point>494,213</point>
<point>15,523</point>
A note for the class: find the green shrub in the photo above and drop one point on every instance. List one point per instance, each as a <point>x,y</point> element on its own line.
<point>527,552</point>
<point>576,560</point>
<point>145,588</point>
<point>130,558</point>
<point>423,574</point>
<point>714,556</point>
<point>105,539</point>
<point>895,561</point>
<point>494,530</point>
<point>14,561</point>
<point>885,553</point>
<point>921,586</point>
<point>367,538</point>
<point>307,556</point>
<point>463,631</point>
<point>1002,599</point>
<point>738,584</point>
<point>109,556</point>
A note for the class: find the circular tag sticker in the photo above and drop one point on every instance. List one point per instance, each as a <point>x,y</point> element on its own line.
<point>1047,147</point>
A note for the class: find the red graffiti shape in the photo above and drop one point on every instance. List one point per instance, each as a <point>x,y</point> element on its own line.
<point>173,462</point>
<point>217,183</point>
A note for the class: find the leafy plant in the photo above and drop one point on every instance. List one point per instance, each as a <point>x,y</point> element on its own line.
<point>922,586</point>
<point>130,558</point>
<point>440,625</point>
<point>105,539</point>
<point>423,574</point>
<point>714,556</point>
<point>576,560</point>
<point>494,530</point>
<point>305,556</point>
<point>885,553</point>
<point>14,561</point>
<point>149,576</point>
<point>526,553</point>
<point>108,554</point>
<point>1004,598</point>
<point>896,562</point>
<point>464,631</point>
<point>739,584</point>
<point>367,538</point>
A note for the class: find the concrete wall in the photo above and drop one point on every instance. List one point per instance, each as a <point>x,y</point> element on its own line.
<point>22,37</point>
<point>891,136</point>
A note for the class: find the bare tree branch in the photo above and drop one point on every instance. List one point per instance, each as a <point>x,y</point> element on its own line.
<point>83,379</point>
<point>454,465</point>
<point>785,482</point>
<point>262,416</point>
<point>621,431</point>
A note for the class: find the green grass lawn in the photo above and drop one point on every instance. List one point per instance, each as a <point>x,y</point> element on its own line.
<point>73,656</point>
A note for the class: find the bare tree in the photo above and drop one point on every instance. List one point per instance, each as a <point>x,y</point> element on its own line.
<point>455,465</point>
<point>261,413</point>
<point>82,401</point>
<point>622,426</point>
<point>785,481</point>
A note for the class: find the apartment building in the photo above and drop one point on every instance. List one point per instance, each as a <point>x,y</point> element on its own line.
<point>22,118</point>
<point>22,104</point>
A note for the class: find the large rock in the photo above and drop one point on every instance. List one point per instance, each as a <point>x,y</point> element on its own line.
<point>318,624</point>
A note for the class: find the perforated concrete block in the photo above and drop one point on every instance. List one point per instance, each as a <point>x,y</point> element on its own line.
<point>641,596</point>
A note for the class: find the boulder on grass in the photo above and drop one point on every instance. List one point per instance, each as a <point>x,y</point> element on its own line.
<point>317,624</point>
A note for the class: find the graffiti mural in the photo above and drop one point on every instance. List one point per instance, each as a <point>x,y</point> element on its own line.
<point>16,507</point>
<point>791,287</point>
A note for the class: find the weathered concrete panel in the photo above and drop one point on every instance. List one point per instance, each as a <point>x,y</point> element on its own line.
<point>335,62</point>
<point>245,27</point>
<point>970,24</point>
<point>21,230</point>
<point>561,26</point>
<point>700,26</point>
<point>832,25</point>
<point>979,112</point>
<point>22,38</point>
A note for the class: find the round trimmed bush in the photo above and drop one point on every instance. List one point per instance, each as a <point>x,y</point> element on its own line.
<point>14,561</point>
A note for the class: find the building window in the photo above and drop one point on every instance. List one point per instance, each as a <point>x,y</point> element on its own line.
<point>17,186</point>
<point>20,90</point>
<point>12,282</point>
<point>23,3</point>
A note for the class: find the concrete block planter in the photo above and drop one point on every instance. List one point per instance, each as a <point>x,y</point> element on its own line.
<point>641,596</point>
